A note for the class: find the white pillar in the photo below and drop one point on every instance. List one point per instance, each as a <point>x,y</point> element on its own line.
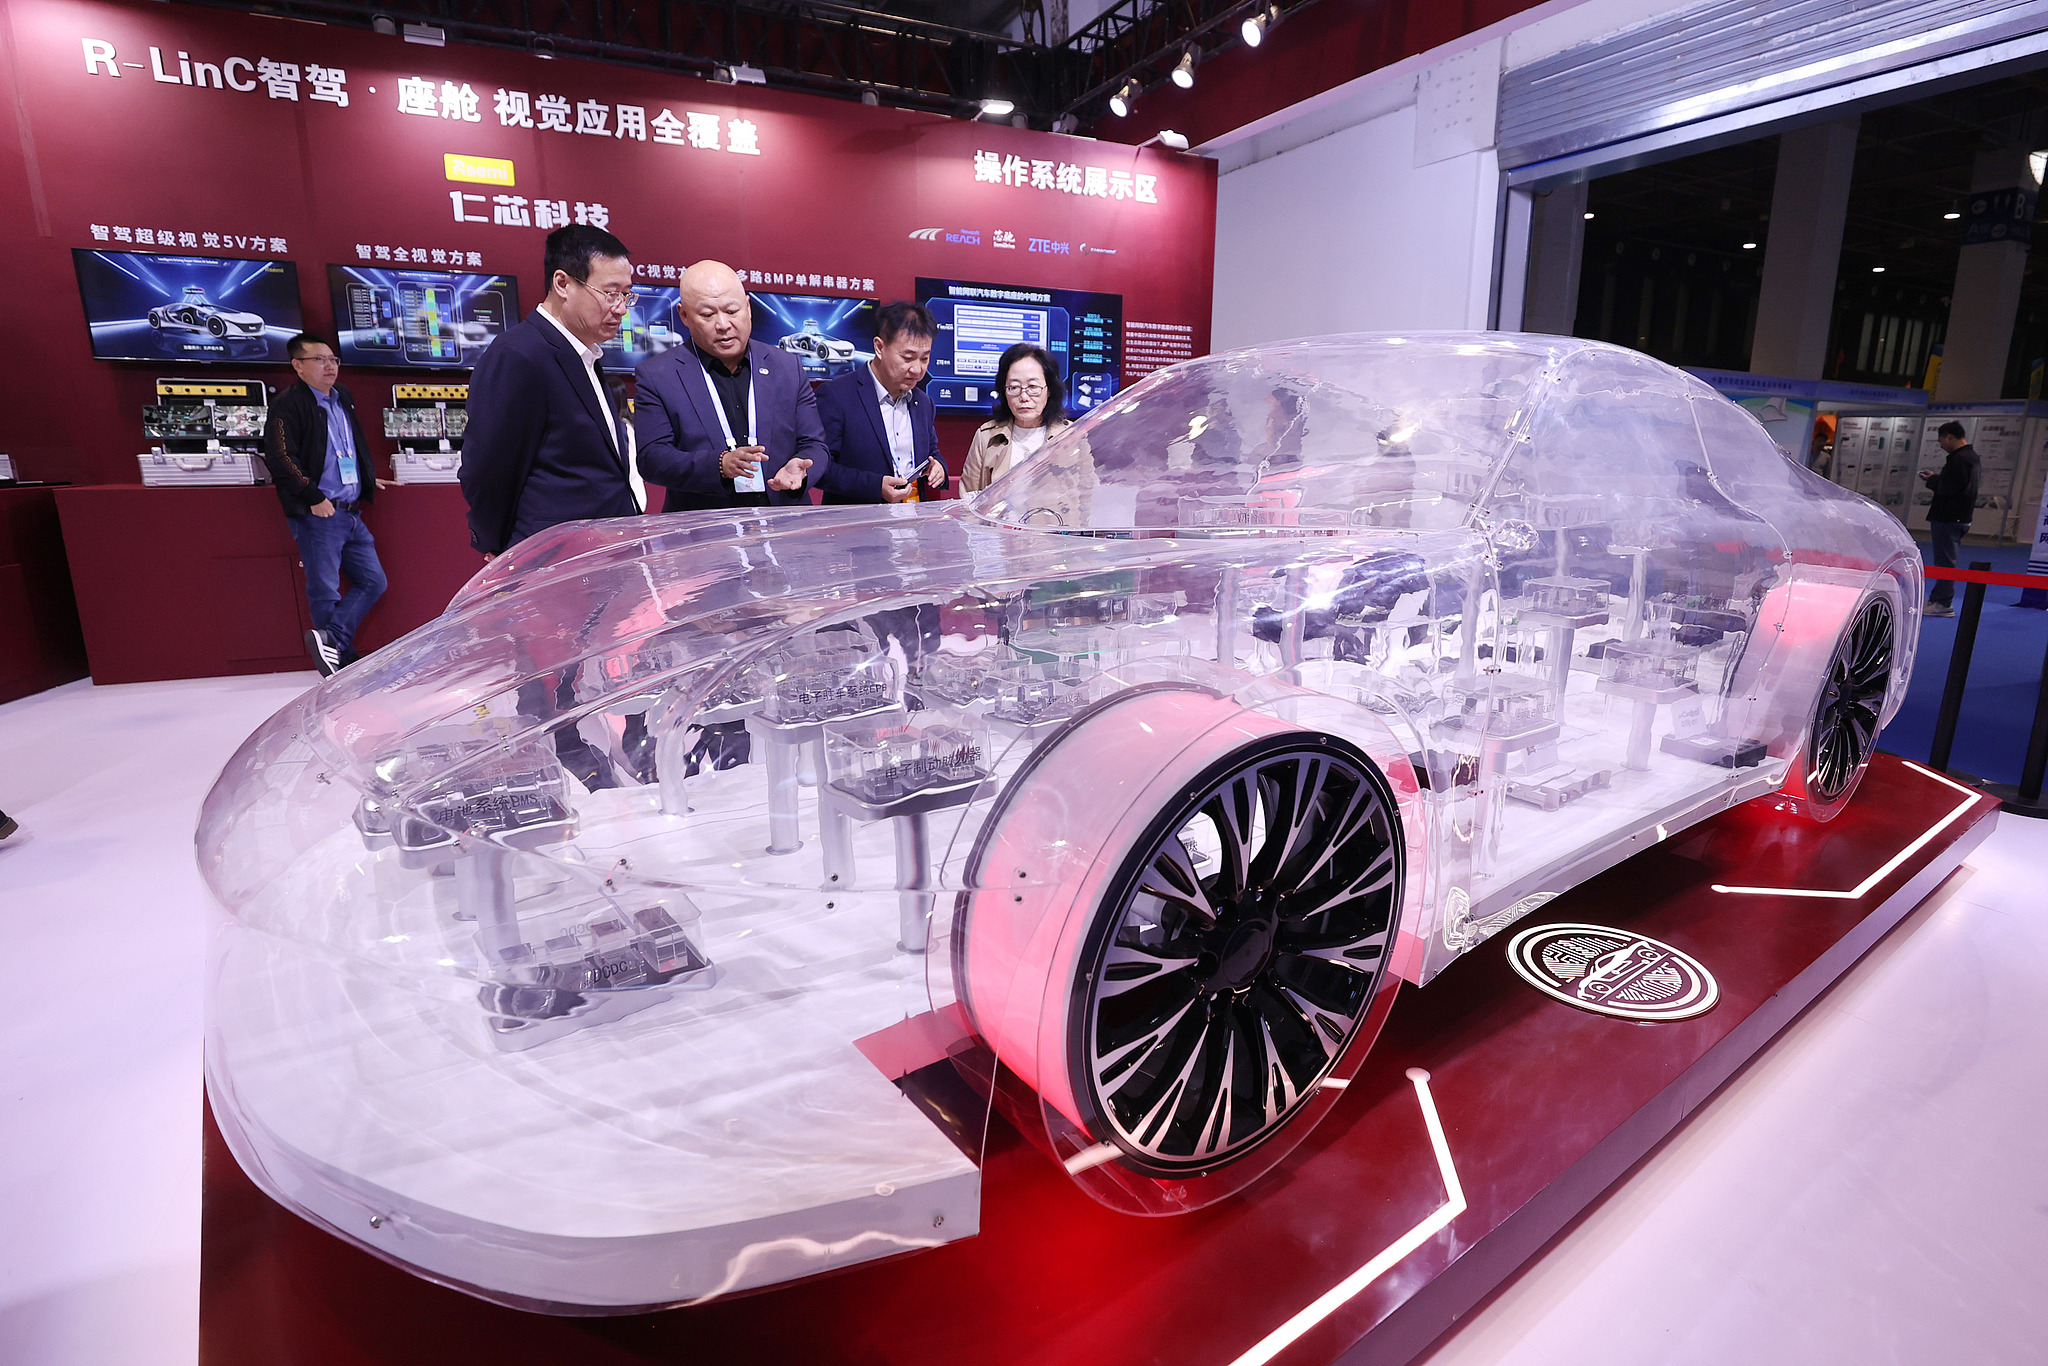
<point>1802,255</point>
<point>1557,241</point>
<point>1986,298</point>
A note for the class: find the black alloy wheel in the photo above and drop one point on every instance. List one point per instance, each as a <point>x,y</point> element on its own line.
<point>1237,954</point>
<point>1851,701</point>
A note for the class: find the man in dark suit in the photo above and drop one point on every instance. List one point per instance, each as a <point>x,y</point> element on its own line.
<point>545,444</point>
<point>725,421</point>
<point>322,471</point>
<point>879,427</point>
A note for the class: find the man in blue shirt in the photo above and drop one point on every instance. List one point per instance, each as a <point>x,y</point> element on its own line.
<point>321,468</point>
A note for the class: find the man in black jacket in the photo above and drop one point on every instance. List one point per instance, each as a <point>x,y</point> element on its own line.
<point>322,471</point>
<point>1948,515</point>
<point>545,444</point>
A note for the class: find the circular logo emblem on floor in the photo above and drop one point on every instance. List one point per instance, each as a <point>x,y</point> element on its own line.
<point>1613,972</point>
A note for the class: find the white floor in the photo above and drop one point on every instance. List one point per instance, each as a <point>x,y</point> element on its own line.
<point>1873,1189</point>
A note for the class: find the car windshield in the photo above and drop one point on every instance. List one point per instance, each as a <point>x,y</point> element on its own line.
<point>1387,431</point>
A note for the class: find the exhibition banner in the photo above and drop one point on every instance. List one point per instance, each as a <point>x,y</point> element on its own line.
<point>162,130</point>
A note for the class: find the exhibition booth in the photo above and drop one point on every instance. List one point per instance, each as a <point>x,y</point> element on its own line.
<point>1239,888</point>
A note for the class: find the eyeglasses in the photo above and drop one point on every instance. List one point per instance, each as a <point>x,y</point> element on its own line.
<point>614,298</point>
<point>1027,389</point>
<point>318,360</point>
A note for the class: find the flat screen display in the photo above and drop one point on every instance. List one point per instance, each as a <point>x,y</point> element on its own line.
<point>829,335</point>
<point>977,322</point>
<point>432,319</point>
<point>144,305</point>
<point>650,328</point>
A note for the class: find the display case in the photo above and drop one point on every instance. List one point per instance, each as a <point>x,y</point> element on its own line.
<point>206,432</point>
<point>425,423</point>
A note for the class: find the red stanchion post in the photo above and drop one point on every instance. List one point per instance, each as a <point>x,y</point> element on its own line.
<point>1958,672</point>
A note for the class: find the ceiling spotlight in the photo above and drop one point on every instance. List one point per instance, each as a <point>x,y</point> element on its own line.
<point>749,75</point>
<point>1120,102</point>
<point>1953,212</point>
<point>1749,246</point>
<point>544,48</point>
<point>384,24</point>
<point>997,108</point>
<point>1589,217</point>
<point>1261,21</point>
<point>1877,270</point>
<point>870,98</point>
<point>1177,141</point>
<point>1184,69</point>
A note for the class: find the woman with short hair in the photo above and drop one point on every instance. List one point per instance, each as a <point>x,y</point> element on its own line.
<point>1030,406</point>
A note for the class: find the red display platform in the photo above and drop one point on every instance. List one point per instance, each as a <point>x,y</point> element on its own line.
<point>204,582</point>
<point>1353,1249</point>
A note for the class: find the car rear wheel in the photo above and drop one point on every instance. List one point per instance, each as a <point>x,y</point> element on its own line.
<point>1843,732</point>
<point>1223,945</point>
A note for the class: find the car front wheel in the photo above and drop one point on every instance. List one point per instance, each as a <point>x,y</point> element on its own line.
<point>1217,947</point>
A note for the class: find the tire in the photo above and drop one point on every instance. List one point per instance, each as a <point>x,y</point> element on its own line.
<point>156,320</point>
<point>1185,1009</point>
<point>1842,733</point>
<point>217,326</point>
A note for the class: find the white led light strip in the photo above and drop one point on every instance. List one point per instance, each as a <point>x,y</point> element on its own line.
<point>1279,1339</point>
<point>1970,796</point>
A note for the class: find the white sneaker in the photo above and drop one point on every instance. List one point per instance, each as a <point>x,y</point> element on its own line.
<point>326,658</point>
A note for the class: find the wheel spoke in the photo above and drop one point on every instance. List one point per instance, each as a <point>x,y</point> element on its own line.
<point>1171,877</point>
<point>1131,965</point>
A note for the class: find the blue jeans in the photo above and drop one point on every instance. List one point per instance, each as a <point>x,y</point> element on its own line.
<point>1948,539</point>
<point>328,548</point>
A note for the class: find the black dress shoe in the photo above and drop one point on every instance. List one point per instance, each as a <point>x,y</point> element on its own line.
<point>8,825</point>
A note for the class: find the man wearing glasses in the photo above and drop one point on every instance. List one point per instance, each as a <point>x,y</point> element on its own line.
<point>321,469</point>
<point>545,444</point>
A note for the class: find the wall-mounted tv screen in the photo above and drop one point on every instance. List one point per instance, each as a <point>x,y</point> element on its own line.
<point>431,319</point>
<point>145,305</point>
<point>650,328</point>
<point>829,335</point>
<point>977,322</point>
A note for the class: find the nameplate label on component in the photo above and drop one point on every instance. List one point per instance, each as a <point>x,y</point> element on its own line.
<point>180,389</point>
<point>442,393</point>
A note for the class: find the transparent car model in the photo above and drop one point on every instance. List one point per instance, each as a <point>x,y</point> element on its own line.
<point>195,313</point>
<point>665,918</point>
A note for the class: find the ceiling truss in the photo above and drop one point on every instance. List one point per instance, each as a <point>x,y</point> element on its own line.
<point>838,49</point>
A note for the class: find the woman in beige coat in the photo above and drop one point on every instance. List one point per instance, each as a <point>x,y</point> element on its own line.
<point>1030,406</point>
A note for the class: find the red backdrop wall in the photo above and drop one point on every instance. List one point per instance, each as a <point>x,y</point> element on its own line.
<point>835,189</point>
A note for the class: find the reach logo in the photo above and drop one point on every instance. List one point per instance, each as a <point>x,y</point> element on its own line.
<point>966,237</point>
<point>1613,972</point>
